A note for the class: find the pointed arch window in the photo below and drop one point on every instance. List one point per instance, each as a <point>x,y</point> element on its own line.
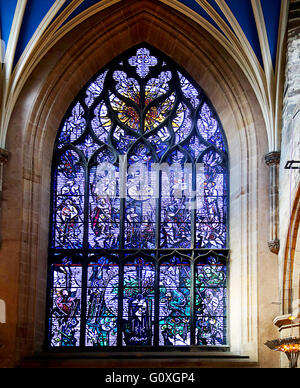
<point>137,258</point>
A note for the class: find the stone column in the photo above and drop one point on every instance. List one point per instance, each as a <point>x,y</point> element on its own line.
<point>272,159</point>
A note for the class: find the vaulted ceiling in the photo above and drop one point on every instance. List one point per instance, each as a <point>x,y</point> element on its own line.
<point>215,12</point>
<point>251,30</point>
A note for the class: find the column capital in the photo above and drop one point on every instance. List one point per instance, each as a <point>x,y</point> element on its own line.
<point>272,158</point>
<point>274,246</point>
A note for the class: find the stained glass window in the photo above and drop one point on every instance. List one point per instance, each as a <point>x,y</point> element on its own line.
<point>138,246</point>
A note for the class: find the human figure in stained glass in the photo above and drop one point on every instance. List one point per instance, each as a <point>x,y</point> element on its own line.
<point>66,305</point>
<point>68,215</point>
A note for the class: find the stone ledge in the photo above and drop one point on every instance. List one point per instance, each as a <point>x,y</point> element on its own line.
<point>272,158</point>
<point>284,322</point>
<point>139,360</point>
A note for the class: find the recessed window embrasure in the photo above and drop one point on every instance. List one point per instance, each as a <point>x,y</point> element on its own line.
<point>138,239</point>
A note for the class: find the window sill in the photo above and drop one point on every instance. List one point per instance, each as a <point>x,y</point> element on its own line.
<point>119,359</point>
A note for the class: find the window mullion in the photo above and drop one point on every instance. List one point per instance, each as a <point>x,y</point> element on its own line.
<point>156,296</point>
<point>193,205</point>
<point>83,301</point>
<point>158,180</point>
<point>122,223</point>
<point>120,301</point>
<point>85,257</point>
<point>193,300</point>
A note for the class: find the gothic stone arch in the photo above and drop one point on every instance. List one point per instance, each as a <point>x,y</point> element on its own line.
<point>38,112</point>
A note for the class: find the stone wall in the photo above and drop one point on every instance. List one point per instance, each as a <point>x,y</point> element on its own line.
<point>289,187</point>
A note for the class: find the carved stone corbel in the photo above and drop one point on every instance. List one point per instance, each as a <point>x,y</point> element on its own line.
<point>272,159</point>
<point>274,246</point>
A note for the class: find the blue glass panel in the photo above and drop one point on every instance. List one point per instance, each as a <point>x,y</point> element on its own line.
<point>174,302</point>
<point>122,140</point>
<point>101,123</point>
<point>140,204</point>
<point>209,127</point>
<point>188,90</point>
<point>157,87</point>
<point>182,123</point>
<point>138,303</point>
<point>127,87</point>
<point>104,227</point>
<point>211,209</point>
<point>69,202</point>
<point>95,89</point>
<point>210,306</point>
<point>102,303</point>
<point>64,320</point>
<point>104,204</point>
<point>175,205</point>
<point>195,147</point>
<point>73,126</point>
<point>142,61</point>
<point>160,141</point>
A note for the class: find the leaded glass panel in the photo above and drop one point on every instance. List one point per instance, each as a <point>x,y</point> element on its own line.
<point>102,303</point>
<point>210,303</point>
<point>138,302</point>
<point>65,302</point>
<point>139,212</point>
<point>175,302</point>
